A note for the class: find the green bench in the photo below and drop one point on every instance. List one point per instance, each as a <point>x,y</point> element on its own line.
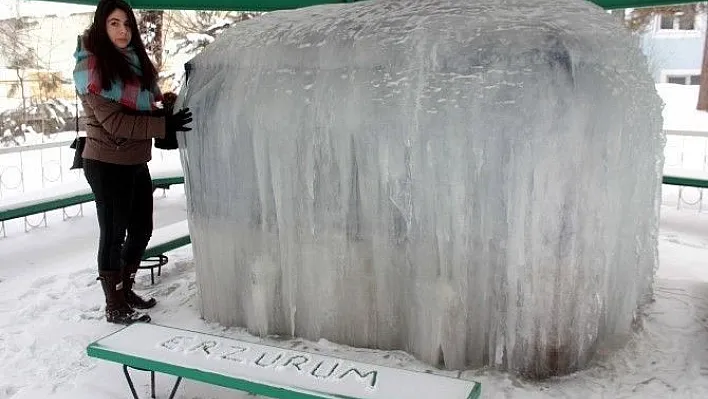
<point>265,370</point>
<point>692,180</point>
<point>62,196</point>
<point>166,179</point>
<point>39,202</point>
<point>687,178</point>
<point>163,240</point>
<point>42,201</point>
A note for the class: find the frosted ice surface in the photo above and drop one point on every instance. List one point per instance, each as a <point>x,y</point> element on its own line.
<point>475,182</point>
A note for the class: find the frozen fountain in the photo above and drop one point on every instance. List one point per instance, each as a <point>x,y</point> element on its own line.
<point>474,182</point>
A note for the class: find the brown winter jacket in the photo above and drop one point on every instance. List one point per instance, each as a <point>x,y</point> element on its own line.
<point>116,136</point>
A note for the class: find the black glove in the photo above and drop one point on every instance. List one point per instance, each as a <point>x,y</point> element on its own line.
<point>169,142</point>
<point>173,124</point>
<point>178,122</point>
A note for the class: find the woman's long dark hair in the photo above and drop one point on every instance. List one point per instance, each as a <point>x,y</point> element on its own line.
<point>112,64</point>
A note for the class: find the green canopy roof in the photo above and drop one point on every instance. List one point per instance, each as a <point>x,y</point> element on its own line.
<point>270,5</point>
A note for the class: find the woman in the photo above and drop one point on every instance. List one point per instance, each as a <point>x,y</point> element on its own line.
<point>117,85</point>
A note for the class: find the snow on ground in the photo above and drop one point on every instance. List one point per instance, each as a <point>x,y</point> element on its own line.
<point>50,310</point>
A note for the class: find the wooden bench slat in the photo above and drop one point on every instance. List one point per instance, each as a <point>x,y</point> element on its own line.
<point>267,370</point>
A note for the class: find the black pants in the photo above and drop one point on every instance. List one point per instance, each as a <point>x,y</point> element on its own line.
<point>124,206</point>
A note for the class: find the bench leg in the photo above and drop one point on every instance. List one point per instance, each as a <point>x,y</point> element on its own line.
<point>152,384</point>
<point>153,262</point>
<point>680,195</point>
<point>700,201</point>
<point>174,389</point>
<point>66,216</point>
<point>130,382</point>
<point>29,226</point>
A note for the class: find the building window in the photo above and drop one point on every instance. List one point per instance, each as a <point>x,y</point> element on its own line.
<point>684,79</point>
<point>686,22</point>
<point>667,22</point>
<point>678,21</point>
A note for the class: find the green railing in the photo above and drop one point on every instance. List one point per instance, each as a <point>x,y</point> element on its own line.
<point>271,5</point>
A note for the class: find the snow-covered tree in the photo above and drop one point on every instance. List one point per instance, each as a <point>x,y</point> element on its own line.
<point>639,18</point>
<point>150,25</point>
<point>18,55</point>
<point>195,30</point>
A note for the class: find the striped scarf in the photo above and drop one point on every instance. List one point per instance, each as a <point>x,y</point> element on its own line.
<point>87,79</point>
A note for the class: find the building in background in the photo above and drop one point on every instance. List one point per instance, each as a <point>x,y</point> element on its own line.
<point>674,47</point>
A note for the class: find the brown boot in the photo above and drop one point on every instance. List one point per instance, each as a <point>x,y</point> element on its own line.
<point>133,299</point>
<point>117,309</point>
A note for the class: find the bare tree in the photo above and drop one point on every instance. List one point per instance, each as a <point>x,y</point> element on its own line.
<point>197,29</point>
<point>639,18</point>
<point>150,27</point>
<point>17,54</point>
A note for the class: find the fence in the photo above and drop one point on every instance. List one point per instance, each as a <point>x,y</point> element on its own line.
<point>32,167</point>
<point>687,151</point>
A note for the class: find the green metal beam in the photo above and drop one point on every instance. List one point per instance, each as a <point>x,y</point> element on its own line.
<point>223,5</point>
<point>615,4</point>
<point>271,5</point>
